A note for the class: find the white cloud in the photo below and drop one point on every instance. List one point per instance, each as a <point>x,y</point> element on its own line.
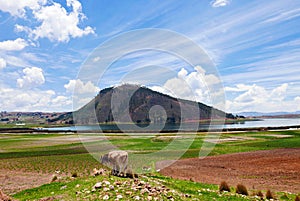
<point>220,3</point>
<point>96,59</point>
<point>283,16</point>
<point>238,88</point>
<point>79,87</point>
<point>57,24</point>
<point>18,8</point>
<point>192,86</point>
<point>33,100</point>
<point>2,63</point>
<point>32,77</point>
<point>82,92</point>
<point>13,45</point>
<point>256,98</point>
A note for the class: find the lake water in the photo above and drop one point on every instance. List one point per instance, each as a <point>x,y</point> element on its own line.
<point>187,126</point>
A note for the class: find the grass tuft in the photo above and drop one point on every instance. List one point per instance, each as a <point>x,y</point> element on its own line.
<point>224,187</point>
<point>74,174</point>
<point>259,194</point>
<point>269,194</point>
<point>241,189</point>
<point>54,178</point>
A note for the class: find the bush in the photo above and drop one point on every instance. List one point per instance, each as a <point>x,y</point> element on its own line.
<point>260,194</point>
<point>74,174</point>
<point>269,195</point>
<point>241,189</point>
<point>224,187</point>
<point>54,178</point>
<point>297,198</point>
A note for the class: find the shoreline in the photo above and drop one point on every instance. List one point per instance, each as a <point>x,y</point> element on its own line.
<point>46,130</point>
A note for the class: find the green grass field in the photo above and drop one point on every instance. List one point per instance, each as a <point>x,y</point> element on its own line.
<point>45,153</point>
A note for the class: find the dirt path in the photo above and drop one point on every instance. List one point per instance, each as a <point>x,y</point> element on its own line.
<point>278,170</point>
<point>15,181</point>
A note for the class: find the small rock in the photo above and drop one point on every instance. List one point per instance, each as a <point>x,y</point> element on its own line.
<point>117,183</point>
<point>111,187</point>
<point>63,187</point>
<point>105,189</point>
<point>106,183</point>
<point>137,197</point>
<point>105,197</point>
<point>119,196</point>
<point>98,185</point>
<point>77,186</point>
<point>187,195</point>
<point>145,190</point>
<point>128,192</point>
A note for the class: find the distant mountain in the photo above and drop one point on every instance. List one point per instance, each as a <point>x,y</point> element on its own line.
<point>262,114</point>
<point>133,103</point>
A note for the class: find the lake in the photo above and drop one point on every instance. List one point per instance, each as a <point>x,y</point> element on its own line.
<point>274,122</point>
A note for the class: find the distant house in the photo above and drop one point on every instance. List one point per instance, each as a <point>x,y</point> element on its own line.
<point>20,124</point>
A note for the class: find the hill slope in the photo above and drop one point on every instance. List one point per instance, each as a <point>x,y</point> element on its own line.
<point>133,103</point>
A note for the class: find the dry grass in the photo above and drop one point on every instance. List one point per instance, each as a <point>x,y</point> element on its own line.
<point>269,195</point>
<point>259,194</point>
<point>54,178</point>
<point>241,189</point>
<point>224,187</point>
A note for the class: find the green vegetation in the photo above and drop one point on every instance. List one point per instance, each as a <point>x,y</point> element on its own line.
<point>83,189</point>
<point>47,153</point>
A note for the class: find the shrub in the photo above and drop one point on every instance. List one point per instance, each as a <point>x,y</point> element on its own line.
<point>259,194</point>
<point>241,189</point>
<point>269,195</point>
<point>297,198</point>
<point>224,187</point>
<point>54,178</point>
<point>74,174</point>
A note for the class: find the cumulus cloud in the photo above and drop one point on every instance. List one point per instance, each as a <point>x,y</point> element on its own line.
<point>57,24</point>
<point>82,92</point>
<point>192,86</point>
<point>257,98</point>
<point>80,87</point>
<point>220,3</point>
<point>2,63</point>
<point>32,77</point>
<point>13,45</point>
<point>33,100</point>
<point>18,8</point>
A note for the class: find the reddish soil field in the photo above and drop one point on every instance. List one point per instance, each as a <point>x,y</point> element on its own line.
<point>277,170</point>
<point>15,181</point>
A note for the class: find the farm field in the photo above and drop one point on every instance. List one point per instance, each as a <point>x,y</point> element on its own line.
<point>28,161</point>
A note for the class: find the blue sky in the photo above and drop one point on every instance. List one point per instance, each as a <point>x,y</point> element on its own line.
<point>254,45</point>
